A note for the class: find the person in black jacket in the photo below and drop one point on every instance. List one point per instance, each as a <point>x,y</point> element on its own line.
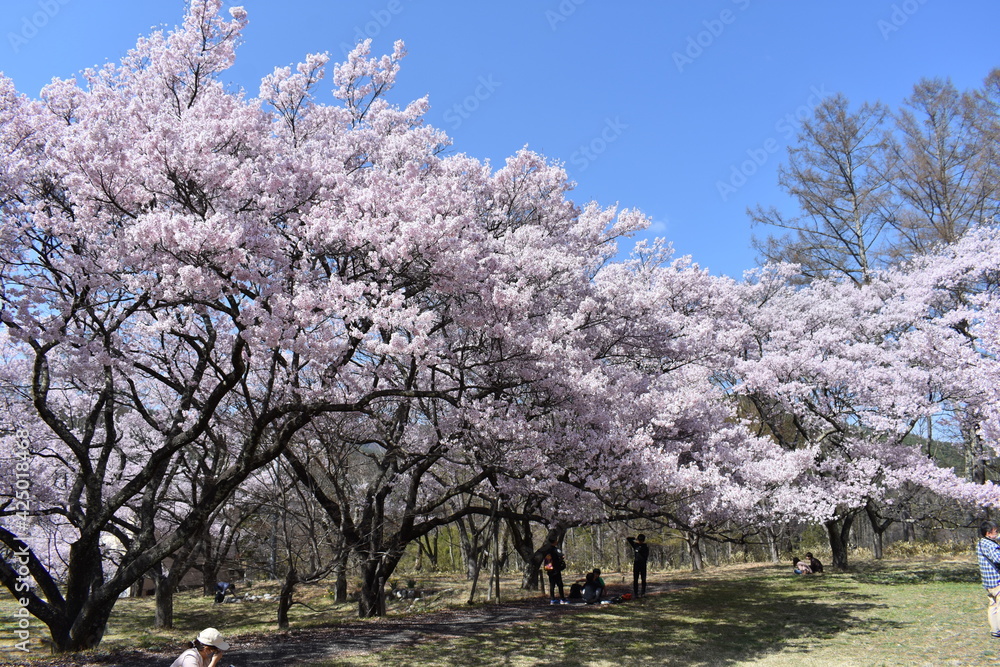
<point>814,563</point>
<point>640,556</point>
<point>592,589</point>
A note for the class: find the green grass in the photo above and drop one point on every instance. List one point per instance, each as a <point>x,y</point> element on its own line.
<point>889,613</point>
<point>899,612</point>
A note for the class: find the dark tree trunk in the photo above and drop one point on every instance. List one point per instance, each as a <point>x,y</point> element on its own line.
<point>210,578</point>
<point>341,585</point>
<point>86,619</point>
<point>165,585</point>
<point>285,598</point>
<point>163,617</point>
<point>879,526</point>
<point>371,601</point>
<point>477,564</point>
<point>88,631</point>
<point>375,572</point>
<point>428,546</point>
<point>877,545</point>
<point>520,536</point>
<point>839,531</point>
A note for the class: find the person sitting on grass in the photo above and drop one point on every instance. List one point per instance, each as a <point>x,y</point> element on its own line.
<point>600,582</point>
<point>591,590</point>
<point>205,651</point>
<point>814,563</point>
<point>801,566</point>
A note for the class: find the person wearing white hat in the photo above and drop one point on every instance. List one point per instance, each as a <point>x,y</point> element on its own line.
<point>205,651</point>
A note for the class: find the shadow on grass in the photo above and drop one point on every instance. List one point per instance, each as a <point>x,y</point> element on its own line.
<point>705,623</point>
<point>918,573</point>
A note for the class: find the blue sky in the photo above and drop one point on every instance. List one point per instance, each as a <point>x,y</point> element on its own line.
<point>680,109</point>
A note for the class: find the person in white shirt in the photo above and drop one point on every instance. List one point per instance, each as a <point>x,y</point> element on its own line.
<point>205,651</point>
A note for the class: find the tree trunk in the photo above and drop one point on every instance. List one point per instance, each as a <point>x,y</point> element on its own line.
<point>375,572</point>
<point>163,617</point>
<point>285,598</point>
<point>499,560</point>
<point>879,526</point>
<point>371,601</point>
<point>341,585</point>
<point>468,537</point>
<point>975,456</point>
<point>85,620</point>
<point>210,576</point>
<point>839,530</point>
<point>520,535</point>
<point>87,632</point>
<point>909,534</point>
<point>477,565</point>
<point>164,586</point>
<point>772,546</point>
<point>877,545</point>
<point>694,548</point>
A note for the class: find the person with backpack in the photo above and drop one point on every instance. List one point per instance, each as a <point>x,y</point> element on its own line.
<point>553,562</point>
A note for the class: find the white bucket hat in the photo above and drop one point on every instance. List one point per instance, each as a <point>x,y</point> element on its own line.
<point>212,637</point>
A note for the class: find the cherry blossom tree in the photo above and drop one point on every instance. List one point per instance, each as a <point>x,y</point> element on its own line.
<point>843,374</point>
<point>189,273</point>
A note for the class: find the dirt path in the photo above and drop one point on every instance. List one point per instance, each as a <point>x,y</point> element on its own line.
<point>358,637</point>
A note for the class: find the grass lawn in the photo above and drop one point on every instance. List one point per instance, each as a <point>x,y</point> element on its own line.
<point>887,613</point>
<point>892,612</point>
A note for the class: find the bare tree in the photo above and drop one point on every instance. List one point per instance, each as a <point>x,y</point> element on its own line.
<point>837,175</point>
<point>944,168</point>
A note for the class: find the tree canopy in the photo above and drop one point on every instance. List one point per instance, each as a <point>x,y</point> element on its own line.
<point>196,285</point>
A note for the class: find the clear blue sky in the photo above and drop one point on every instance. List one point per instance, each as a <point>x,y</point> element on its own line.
<point>649,104</point>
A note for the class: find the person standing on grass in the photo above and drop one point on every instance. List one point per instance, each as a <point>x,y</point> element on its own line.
<point>640,556</point>
<point>988,553</point>
<point>553,562</point>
